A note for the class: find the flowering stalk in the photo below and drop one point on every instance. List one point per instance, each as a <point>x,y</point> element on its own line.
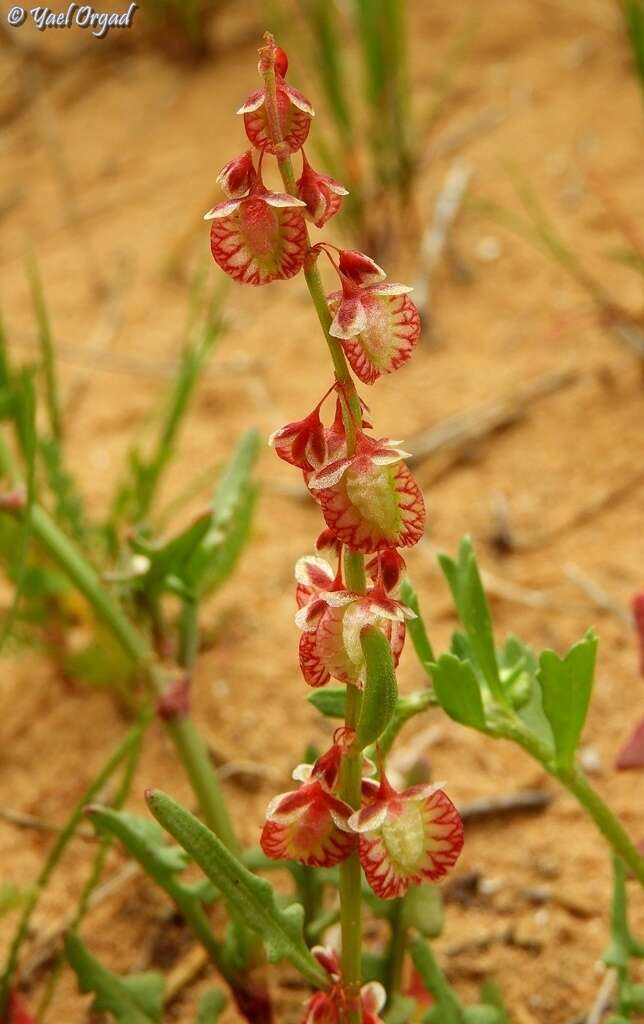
<point>352,622</point>
<point>350,899</point>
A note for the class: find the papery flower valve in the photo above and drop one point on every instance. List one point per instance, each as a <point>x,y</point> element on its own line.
<point>407,838</point>
<point>332,619</point>
<point>309,824</point>
<point>294,112</point>
<point>258,237</point>
<point>376,322</point>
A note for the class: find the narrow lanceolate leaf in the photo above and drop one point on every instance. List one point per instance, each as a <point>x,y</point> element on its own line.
<point>251,897</point>
<point>474,612</point>
<point>566,684</point>
<point>457,690</point>
<point>330,702</point>
<point>145,841</point>
<point>448,1006</point>
<point>381,691</point>
<point>416,627</point>
<point>230,521</point>
<point>137,999</point>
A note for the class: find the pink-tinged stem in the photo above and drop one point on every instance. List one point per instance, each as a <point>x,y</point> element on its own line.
<point>350,776</point>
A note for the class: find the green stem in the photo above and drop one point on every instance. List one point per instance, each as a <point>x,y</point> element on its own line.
<point>351,770</point>
<point>350,877</point>
<point>195,759</point>
<point>122,751</point>
<point>95,874</point>
<point>189,744</point>
<point>578,785</point>
<point>87,581</point>
<point>188,634</point>
<point>396,952</point>
<point>606,822</point>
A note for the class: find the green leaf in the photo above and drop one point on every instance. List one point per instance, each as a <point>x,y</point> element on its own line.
<point>491,996</point>
<point>482,1014</point>
<point>172,559</point>
<point>514,655</point>
<point>251,897</point>
<point>416,627</point>
<point>381,690</point>
<point>230,520</point>
<point>145,841</point>
<point>467,590</point>
<point>400,1009</point>
<point>45,341</point>
<point>566,685</point>
<point>374,967</point>
<point>406,708</point>
<point>330,701</point>
<point>137,999</point>
<point>457,690</point>
<point>12,897</point>
<point>211,1006</point>
<point>448,1007</point>
<point>423,910</point>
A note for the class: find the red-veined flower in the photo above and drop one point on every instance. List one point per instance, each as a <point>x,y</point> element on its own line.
<point>377,323</point>
<point>370,499</point>
<point>294,111</point>
<point>331,1007</point>
<point>332,619</point>
<point>407,838</point>
<point>309,824</point>
<point>322,194</point>
<point>259,238</point>
<point>238,176</point>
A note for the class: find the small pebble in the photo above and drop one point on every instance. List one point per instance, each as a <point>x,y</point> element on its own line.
<point>490,886</point>
<point>542,918</point>
<point>590,760</point>
<point>489,249</point>
<point>220,688</point>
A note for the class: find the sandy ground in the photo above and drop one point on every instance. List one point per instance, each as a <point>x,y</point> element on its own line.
<point>106,169</point>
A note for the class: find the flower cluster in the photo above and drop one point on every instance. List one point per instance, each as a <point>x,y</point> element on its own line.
<point>368,498</point>
<point>330,1007</point>
<point>404,838</point>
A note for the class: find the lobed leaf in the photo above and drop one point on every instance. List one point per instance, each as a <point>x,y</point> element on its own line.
<point>566,685</point>
<point>251,897</point>
<point>135,999</point>
<point>465,583</point>
<point>458,692</point>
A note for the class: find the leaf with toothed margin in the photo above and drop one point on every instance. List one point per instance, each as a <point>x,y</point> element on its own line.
<point>135,999</point>
<point>145,841</point>
<point>566,685</point>
<point>251,897</point>
<point>457,690</point>
<point>467,590</point>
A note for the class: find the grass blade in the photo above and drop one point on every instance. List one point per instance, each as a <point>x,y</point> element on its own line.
<point>45,340</point>
<point>122,752</point>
